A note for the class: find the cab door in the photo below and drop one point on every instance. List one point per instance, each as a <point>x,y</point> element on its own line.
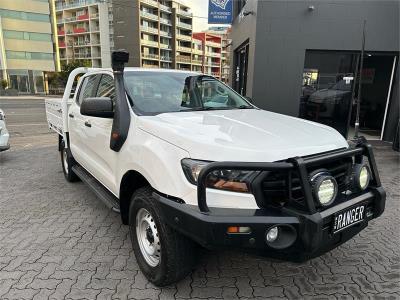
<point>97,139</point>
<point>76,122</point>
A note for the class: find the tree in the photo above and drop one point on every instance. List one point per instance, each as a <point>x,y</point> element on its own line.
<point>67,68</point>
<point>4,83</point>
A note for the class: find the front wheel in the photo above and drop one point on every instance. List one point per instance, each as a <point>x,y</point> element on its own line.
<point>164,256</point>
<point>67,161</point>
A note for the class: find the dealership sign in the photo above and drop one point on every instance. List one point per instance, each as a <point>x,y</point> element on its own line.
<point>220,11</point>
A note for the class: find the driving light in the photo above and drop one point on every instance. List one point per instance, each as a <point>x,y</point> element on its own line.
<point>362,176</point>
<point>324,188</point>
<point>272,234</point>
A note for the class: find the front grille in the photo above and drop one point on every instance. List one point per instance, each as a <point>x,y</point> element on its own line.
<point>283,188</point>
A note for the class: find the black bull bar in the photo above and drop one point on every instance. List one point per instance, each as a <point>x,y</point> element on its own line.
<point>299,163</point>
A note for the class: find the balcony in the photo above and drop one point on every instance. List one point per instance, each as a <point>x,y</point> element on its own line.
<point>213,44</point>
<point>150,66</point>
<point>165,33</point>
<point>61,44</point>
<point>184,13</point>
<point>184,25</point>
<point>183,59</point>
<point>184,49</point>
<point>81,43</point>
<point>82,55</point>
<point>165,8</point>
<point>80,30</point>
<point>149,29</point>
<point>165,21</point>
<point>83,17</point>
<point>197,62</point>
<point>150,2</point>
<point>94,16</point>
<point>61,32</point>
<point>197,51</point>
<point>166,58</point>
<point>214,54</point>
<point>165,46</point>
<point>149,43</point>
<point>150,56</point>
<point>148,15</point>
<point>184,37</point>
<point>76,3</point>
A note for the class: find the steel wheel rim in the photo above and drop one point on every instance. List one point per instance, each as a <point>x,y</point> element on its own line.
<point>148,237</point>
<point>65,160</point>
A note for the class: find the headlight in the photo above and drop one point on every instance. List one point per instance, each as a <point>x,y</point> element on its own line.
<point>324,188</point>
<point>192,168</point>
<point>230,180</point>
<point>362,176</point>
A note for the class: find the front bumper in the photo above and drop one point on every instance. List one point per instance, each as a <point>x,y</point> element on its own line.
<point>307,231</point>
<point>313,232</point>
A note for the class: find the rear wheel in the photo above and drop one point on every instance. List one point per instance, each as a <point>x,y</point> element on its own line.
<point>67,161</point>
<point>164,255</point>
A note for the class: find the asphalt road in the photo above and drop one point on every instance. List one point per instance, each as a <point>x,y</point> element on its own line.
<point>26,122</point>
<point>57,241</point>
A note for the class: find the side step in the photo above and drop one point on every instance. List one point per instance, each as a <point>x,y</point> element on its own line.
<point>105,195</point>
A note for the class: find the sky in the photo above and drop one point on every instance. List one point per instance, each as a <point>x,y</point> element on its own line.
<point>199,9</point>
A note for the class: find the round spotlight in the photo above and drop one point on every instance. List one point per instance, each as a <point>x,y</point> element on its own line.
<point>325,188</point>
<point>272,234</point>
<point>362,176</point>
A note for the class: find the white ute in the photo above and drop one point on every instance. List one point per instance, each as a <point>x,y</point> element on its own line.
<point>187,161</point>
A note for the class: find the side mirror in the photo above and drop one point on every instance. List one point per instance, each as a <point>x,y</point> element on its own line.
<point>101,107</point>
<point>249,99</point>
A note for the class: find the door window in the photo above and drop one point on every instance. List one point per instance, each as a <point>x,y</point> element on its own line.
<point>88,88</point>
<point>106,87</point>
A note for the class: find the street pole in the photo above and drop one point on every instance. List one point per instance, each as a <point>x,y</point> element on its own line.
<point>357,125</point>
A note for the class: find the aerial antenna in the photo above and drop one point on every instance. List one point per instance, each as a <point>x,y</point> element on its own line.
<point>357,124</point>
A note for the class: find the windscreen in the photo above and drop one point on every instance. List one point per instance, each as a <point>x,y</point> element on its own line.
<point>159,92</point>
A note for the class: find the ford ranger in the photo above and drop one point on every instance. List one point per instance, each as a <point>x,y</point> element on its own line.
<point>187,161</point>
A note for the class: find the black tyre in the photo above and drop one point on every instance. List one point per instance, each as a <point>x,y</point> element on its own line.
<point>164,256</point>
<point>67,161</point>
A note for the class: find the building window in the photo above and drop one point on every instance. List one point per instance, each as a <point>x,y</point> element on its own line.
<point>19,80</point>
<point>29,55</point>
<point>241,56</point>
<point>38,81</point>
<point>23,35</point>
<point>22,15</point>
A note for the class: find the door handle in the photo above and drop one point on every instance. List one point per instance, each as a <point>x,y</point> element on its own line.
<point>87,124</point>
<point>71,116</point>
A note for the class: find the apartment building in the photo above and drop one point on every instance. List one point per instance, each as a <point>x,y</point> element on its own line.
<point>85,31</point>
<point>224,33</point>
<point>212,53</point>
<point>26,44</point>
<point>157,34</point>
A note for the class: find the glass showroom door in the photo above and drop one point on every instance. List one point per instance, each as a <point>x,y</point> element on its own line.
<point>326,95</point>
